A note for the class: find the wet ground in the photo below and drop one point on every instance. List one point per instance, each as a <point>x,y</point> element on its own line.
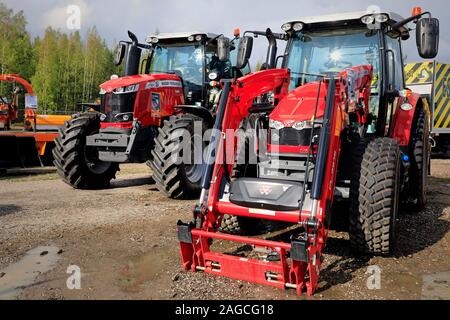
<point>123,241</point>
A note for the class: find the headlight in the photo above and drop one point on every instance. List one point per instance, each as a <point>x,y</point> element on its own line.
<point>302,125</point>
<point>128,89</point>
<point>102,117</point>
<point>212,76</point>
<point>286,27</point>
<point>102,91</point>
<point>381,18</point>
<point>297,26</point>
<point>198,38</point>
<point>155,40</point>
<point>124,117</point>
<point>277,125</point>
<point>191,38</point>
<point>406,107</point>
<point>369,19</point>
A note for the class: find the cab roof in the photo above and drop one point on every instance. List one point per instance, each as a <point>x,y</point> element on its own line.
<point>179,36</point>
<point>343,18</point>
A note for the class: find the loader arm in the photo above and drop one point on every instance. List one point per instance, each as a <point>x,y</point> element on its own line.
<point>299,262</point>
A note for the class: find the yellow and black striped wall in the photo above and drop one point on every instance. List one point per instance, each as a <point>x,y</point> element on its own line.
<point>432,78</point>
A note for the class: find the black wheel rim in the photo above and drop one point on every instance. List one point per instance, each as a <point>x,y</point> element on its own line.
<point>93,163</point>
<point>194,171</point>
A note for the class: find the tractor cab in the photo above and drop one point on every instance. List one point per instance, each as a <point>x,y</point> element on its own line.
<point>326,45</point>
<point>193,56</point>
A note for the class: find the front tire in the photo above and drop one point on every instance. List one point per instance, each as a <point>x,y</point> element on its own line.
<point>77,164</point>
<point>240,225</point>
<point>374,196</point>
<point>244,168</point>
<point>174,178</point>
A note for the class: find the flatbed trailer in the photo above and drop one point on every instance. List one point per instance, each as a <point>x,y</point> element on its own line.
<point>26,149</point>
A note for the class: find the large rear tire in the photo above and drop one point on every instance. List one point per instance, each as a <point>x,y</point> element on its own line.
<point>77,164</point>
<point>374,196</point>
<point>420,152</point>
<point>172,176</point>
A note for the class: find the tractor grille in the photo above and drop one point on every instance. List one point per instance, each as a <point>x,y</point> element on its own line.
<point>114,104</point>
<point>291,136</point>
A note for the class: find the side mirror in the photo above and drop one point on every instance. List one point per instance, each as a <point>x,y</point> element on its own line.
<point>244,52</point>
<point>223,49</point>
<point>427,37</point>
<point>120,54</point>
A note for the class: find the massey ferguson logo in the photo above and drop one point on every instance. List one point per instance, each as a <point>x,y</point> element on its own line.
<point>265,190</point>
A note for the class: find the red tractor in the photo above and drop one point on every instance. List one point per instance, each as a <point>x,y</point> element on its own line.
<point>335,123</point>
<point>178,84</point>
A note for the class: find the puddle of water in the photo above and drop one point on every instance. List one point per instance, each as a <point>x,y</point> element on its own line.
<point>436,286</point>
<point>22,274</point>
<point>142,269</point>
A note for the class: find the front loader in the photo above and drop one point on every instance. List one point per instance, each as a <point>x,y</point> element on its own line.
<point>171,80</point>
<point>335,124</point>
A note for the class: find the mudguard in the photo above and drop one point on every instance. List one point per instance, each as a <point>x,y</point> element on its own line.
<point>403,118</point>
<point>201,112</point>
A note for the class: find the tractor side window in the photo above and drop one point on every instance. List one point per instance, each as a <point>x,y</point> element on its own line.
<point>395,64</point>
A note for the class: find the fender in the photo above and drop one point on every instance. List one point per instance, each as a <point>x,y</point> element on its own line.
<point>201,112</point>
<point>403,120</point>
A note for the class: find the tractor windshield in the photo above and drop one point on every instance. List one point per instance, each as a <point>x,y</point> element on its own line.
<point>187,61</point>
<point>331,51</point>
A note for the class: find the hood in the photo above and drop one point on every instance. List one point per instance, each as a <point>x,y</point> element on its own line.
<point>299,105</point>
<point>110,85</point>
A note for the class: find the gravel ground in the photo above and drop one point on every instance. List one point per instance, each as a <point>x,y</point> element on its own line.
<point>124,241</point>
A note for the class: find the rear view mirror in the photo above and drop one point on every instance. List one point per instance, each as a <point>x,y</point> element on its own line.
<point>120,54</point>
<point>223,49</point>
<point>244,52</point>
<point>427,37</point>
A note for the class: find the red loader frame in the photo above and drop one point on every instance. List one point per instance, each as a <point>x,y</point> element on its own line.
<point>300,261</point>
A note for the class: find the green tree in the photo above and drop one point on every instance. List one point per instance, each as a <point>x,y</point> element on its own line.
<point>16,50</point>
<point>64,69</point>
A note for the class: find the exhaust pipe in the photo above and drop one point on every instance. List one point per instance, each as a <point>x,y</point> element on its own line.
<point>271,50</point>
<point>133,56</point>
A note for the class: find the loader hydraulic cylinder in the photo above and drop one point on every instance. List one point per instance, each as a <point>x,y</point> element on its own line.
<point>213,145</point>
<point>324,142</point>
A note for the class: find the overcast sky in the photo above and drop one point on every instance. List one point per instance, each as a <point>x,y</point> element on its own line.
<point>114,17</point>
